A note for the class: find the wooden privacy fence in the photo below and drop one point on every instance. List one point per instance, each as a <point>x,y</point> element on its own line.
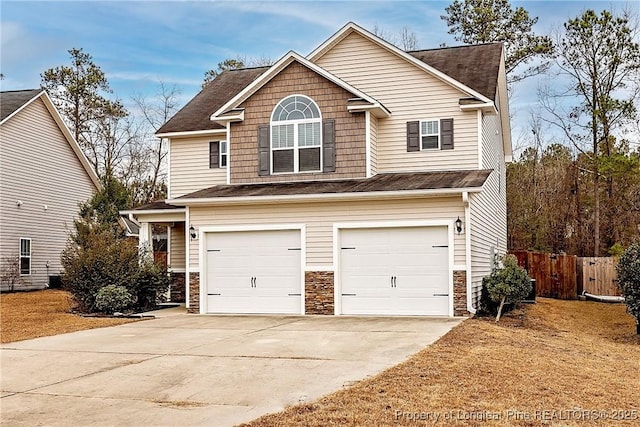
<point>597,276</point>
<point>567,276</point>
<point>555,274</point>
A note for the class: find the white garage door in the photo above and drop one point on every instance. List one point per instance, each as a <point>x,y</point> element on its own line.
<point>395,271</point>
<point>254,272</point>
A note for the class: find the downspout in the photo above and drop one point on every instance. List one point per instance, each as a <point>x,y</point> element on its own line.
<point>367,125</point>
<point>228,153</point>
<point>187,257</point>
<point>467,237</point>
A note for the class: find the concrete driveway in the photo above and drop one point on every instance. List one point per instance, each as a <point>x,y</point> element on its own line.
<point>188,370</point>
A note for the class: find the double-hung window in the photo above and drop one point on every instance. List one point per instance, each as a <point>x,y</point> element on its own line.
<point>223,154</point>
<point>296,136</point>
<point>430,134</point>
<point>25,257</point>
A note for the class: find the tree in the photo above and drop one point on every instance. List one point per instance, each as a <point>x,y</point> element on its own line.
<point>508,284</point>
<point>101,126</point>
<point>597,54</point>
<point>235,64</point>
<point>77,91</point>
<point>101,211</point>
<point>146,177</point>
<point>484,21</point>
<point>405,39</point>
<point>629,280</point>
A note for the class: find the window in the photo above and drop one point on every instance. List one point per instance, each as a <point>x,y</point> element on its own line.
<point>296,137</point>
<point>223,154</point>
<point>429,134</point>
<point>217,154</point>
<point>25,257</point>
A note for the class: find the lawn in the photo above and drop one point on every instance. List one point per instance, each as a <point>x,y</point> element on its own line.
<point>26,315</point>
<point>557,363</point>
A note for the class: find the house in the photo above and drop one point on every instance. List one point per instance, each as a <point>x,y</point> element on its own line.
<point>358,180</point>
<point>43,177</point>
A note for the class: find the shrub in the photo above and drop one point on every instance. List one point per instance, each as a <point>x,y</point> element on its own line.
<point>102,259</point>
<point>10,272</point>
<point>504,286</point>
<point>112,298</point>
<point>629,280</point>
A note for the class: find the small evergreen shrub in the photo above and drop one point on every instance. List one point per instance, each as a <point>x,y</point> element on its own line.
<point>96,258</point>
<point>629,280</point>
<point>504,287</point>
<point>112,298</point>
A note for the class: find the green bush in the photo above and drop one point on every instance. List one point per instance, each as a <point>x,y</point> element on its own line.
<point>112,298</point>
<point>505,286</point>
<point>629,280</point>
<point>101,259</point>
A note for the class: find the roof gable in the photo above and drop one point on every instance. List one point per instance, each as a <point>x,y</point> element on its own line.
<point>282,64</point>
<point>352,27</point>
<point>19,100</point>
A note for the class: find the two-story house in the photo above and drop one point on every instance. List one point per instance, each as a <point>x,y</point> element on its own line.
<point>43,177</point>
<point>360,179</point>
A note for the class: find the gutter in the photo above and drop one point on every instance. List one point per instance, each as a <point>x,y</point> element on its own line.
<point>320,197</point>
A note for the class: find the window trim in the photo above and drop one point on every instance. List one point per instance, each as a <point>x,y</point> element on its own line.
<point>21,256</point>
<point>296,147</point>
<point>221,154</point>
<point>439,134</point>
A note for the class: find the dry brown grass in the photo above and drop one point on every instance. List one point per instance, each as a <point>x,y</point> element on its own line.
<point>26,315</point>
<point>555,356</point>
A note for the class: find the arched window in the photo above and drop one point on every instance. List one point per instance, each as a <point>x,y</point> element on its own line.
<point>296,137</point>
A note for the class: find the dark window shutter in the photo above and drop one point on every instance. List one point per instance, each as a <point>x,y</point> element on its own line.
<point>413,136</point>
<point>446,134</point>
<point>263,150</point>
<point>329,145</point>
<point>214,154</point>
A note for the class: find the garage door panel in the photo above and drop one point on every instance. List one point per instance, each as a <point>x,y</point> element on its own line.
<point>391,271</point>
<point>254,272</point>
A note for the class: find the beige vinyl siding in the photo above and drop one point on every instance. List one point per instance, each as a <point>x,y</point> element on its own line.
<point>177,246</point>
<point>189,163</point>
<point>488,209</point>
<point>39,168</point>
<point>409,93</point>
<point>319,219</point>
<point>374,144</point>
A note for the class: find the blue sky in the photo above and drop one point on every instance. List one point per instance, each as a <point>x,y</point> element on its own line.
<point>138,43</point>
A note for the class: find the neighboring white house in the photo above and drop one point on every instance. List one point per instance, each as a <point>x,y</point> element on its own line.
<point>360,179</point>
<point>43,177</point>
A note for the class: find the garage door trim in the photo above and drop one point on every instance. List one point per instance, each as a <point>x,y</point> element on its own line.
<point>337,227</point>
<point>202,258</point>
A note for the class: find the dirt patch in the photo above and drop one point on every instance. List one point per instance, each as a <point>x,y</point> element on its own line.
<point>26,315</point>
<point>553,363</point>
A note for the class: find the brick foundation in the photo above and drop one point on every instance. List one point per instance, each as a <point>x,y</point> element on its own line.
<point>178,287</point>
<point>194,293</point>
<point>460,293</point>
<point>318,292</point>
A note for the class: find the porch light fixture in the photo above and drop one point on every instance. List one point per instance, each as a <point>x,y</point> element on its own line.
<point>192,232</point>
<point>459,225</point>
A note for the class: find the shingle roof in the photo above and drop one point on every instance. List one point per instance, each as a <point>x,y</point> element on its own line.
<point>158,204</point>
<point>195,115</point>
<point>11,100</point>
<point>380,182</point>
<point>476,66</point>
